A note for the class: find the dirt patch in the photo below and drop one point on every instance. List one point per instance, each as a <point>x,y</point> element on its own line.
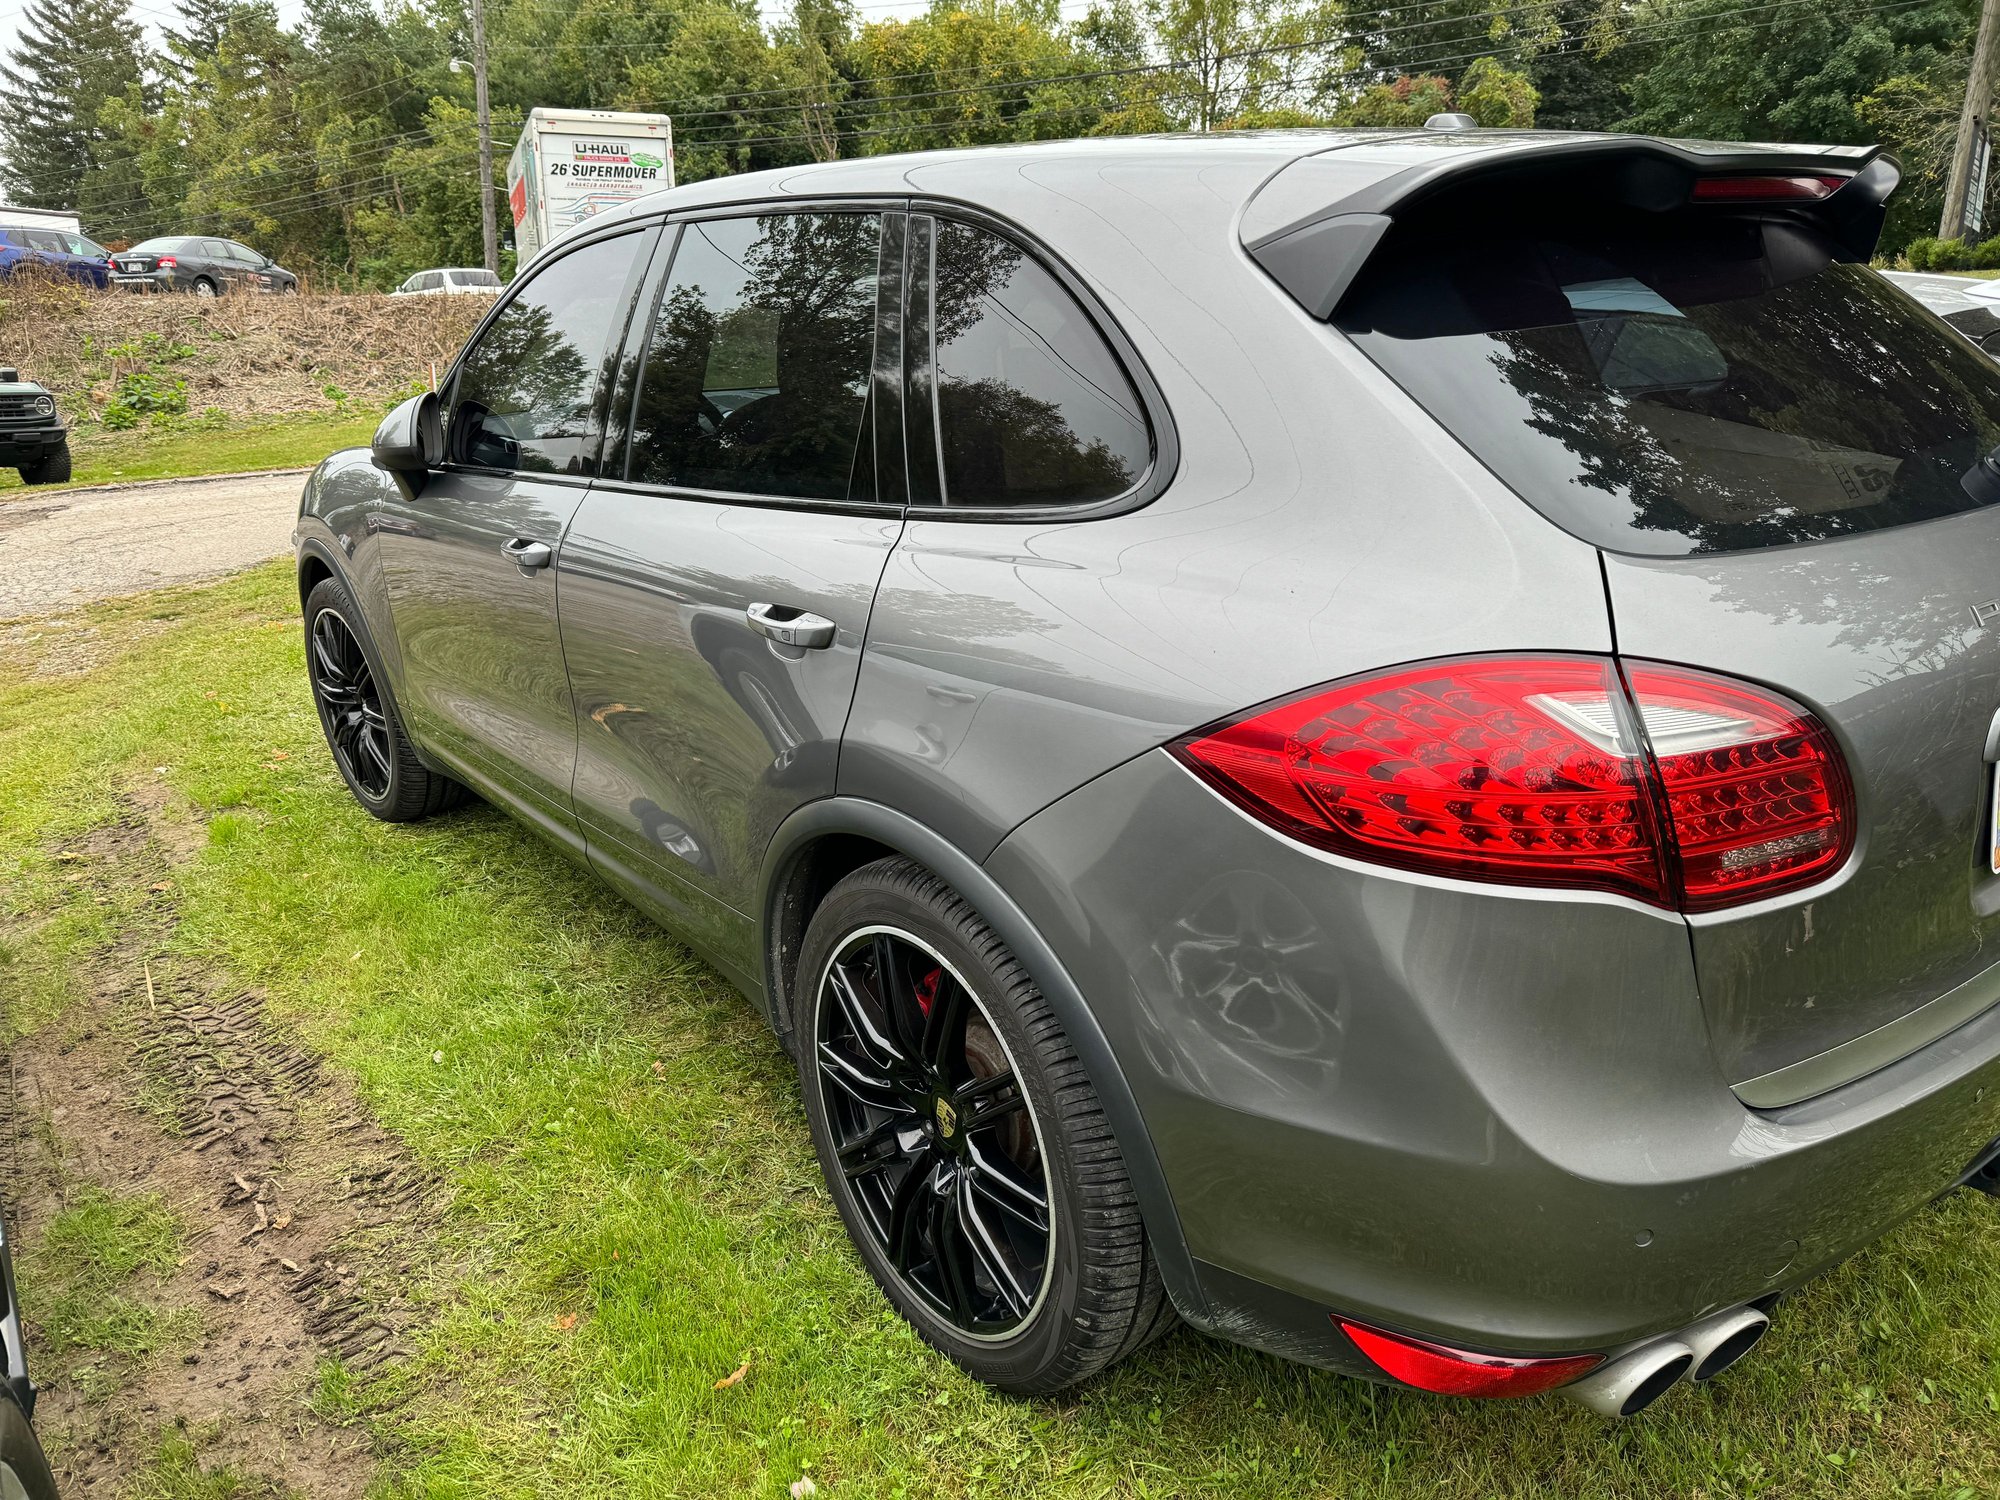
<point>301,1212</point>
<point>253,357</point>
<point>65,645</point>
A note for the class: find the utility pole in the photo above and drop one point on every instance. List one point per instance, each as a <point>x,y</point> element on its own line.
<point>488,230</point>
<point>1965,188</point>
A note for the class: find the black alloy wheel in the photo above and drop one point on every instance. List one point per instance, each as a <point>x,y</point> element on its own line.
<point>962,1140</point>
<point>370,747</point>
<point>351,703</point>
<point>934,1133</point>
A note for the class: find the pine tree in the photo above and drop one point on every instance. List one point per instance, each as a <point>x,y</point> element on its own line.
<point>203,25</point>
<point>73,57</point>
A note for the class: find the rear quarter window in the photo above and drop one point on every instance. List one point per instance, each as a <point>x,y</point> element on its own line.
<point>1684,386</point>
<point>1027,404</point>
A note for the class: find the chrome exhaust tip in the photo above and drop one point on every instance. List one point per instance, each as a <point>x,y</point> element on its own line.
<point>1718,1342</point>
<point>1628,1386</point>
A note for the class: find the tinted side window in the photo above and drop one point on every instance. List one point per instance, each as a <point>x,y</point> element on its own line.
<point>214,249</point>
<point>1031,405</point>
<point>46,240</point>
<point>526,392</point>
<point>756,375</point>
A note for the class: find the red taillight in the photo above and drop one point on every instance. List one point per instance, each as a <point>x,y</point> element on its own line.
<point>1453,1372</point>
<point>1756,791</point>
<point>1535,771</point>
<point>1767,189</point>
<point>166,260</point>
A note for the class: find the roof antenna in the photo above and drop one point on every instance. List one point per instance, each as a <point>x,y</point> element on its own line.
<point>1451,122</point>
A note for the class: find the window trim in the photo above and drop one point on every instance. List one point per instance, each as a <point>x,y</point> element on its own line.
<point>1166,440</point>
<point>656,288</point>
<point>642,262</point>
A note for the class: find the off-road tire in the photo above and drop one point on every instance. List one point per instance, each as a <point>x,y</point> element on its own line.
<point>1104,1297</point>
<point>413,790</point>
<point>53,469</point>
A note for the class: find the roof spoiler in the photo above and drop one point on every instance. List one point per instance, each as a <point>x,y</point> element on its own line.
<point>1315,252</point>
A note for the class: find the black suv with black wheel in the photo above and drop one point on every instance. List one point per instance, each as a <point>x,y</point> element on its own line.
<point>32,436</point>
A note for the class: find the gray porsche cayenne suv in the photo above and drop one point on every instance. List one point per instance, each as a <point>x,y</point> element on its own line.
<point>1381,742</point>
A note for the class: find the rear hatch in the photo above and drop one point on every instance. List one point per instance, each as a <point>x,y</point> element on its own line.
<point>1780,456</point>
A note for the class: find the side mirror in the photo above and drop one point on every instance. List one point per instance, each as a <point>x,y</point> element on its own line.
<point>410,440</point>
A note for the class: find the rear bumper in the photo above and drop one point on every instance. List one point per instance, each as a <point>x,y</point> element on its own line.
<point>144,281</point>
<point>1491,1117</point>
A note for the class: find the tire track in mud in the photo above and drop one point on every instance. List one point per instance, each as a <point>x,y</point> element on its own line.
<point>303,1214</point>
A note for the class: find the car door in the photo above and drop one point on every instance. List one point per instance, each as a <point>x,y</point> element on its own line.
<point>716,588</point>
<point>47,247</point>
<point>472,560</point>
<point>213,261</point>
<point>248,266</point>
<point>88,261</point>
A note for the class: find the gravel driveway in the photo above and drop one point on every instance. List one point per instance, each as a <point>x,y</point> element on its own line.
<point>75,546</point>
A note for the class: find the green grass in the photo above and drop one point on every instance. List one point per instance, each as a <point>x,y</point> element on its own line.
<point>179,452</point>
<point>176,1473</point>
<point>89,1254</point>
<point>635,1206</point>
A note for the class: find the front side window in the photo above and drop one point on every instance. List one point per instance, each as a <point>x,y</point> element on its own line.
<point>756,375</point>
<point>526,393</point>
<point>1030,405</point>
<point>1707,385</point>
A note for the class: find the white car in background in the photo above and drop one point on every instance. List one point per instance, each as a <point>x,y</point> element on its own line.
<point>1971,304</point>
<point>450,281</point>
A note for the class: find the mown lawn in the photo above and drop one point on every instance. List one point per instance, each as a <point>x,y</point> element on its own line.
<point>99,457</point>
<point>637,1210</point>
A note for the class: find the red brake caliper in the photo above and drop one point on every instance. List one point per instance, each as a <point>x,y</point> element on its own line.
<point>927,989</point>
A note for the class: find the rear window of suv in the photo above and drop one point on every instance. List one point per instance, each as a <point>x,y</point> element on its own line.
<point>1686,385</point>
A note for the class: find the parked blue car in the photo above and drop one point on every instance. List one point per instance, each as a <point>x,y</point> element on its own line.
<point>84,259</point>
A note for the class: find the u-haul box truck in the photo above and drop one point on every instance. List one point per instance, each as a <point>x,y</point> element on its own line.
<point>572,163</point>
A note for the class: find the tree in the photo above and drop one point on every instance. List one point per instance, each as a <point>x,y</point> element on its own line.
<point>1916,116</point>
<point>970,77</point>
<point>1231,59</point>
<point>1794,73</point>
<point>1498,97</point>
<point>202,24</point>
<point>811,46</point>
<point>1585,72</point>
<point>73,58</point>
<point>736,100</point>
<point>1443,36</point>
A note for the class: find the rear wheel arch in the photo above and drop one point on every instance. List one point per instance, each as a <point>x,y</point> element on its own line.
<point>825,840</point>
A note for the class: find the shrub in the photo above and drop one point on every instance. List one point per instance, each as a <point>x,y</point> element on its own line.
<point>141,393</point>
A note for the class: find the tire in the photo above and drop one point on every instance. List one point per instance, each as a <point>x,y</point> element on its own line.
<point>53,469</point>
<point>21,1458</point>
<point>203,287</point>
<point>370,747</point>
<point>1029,1302</point>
